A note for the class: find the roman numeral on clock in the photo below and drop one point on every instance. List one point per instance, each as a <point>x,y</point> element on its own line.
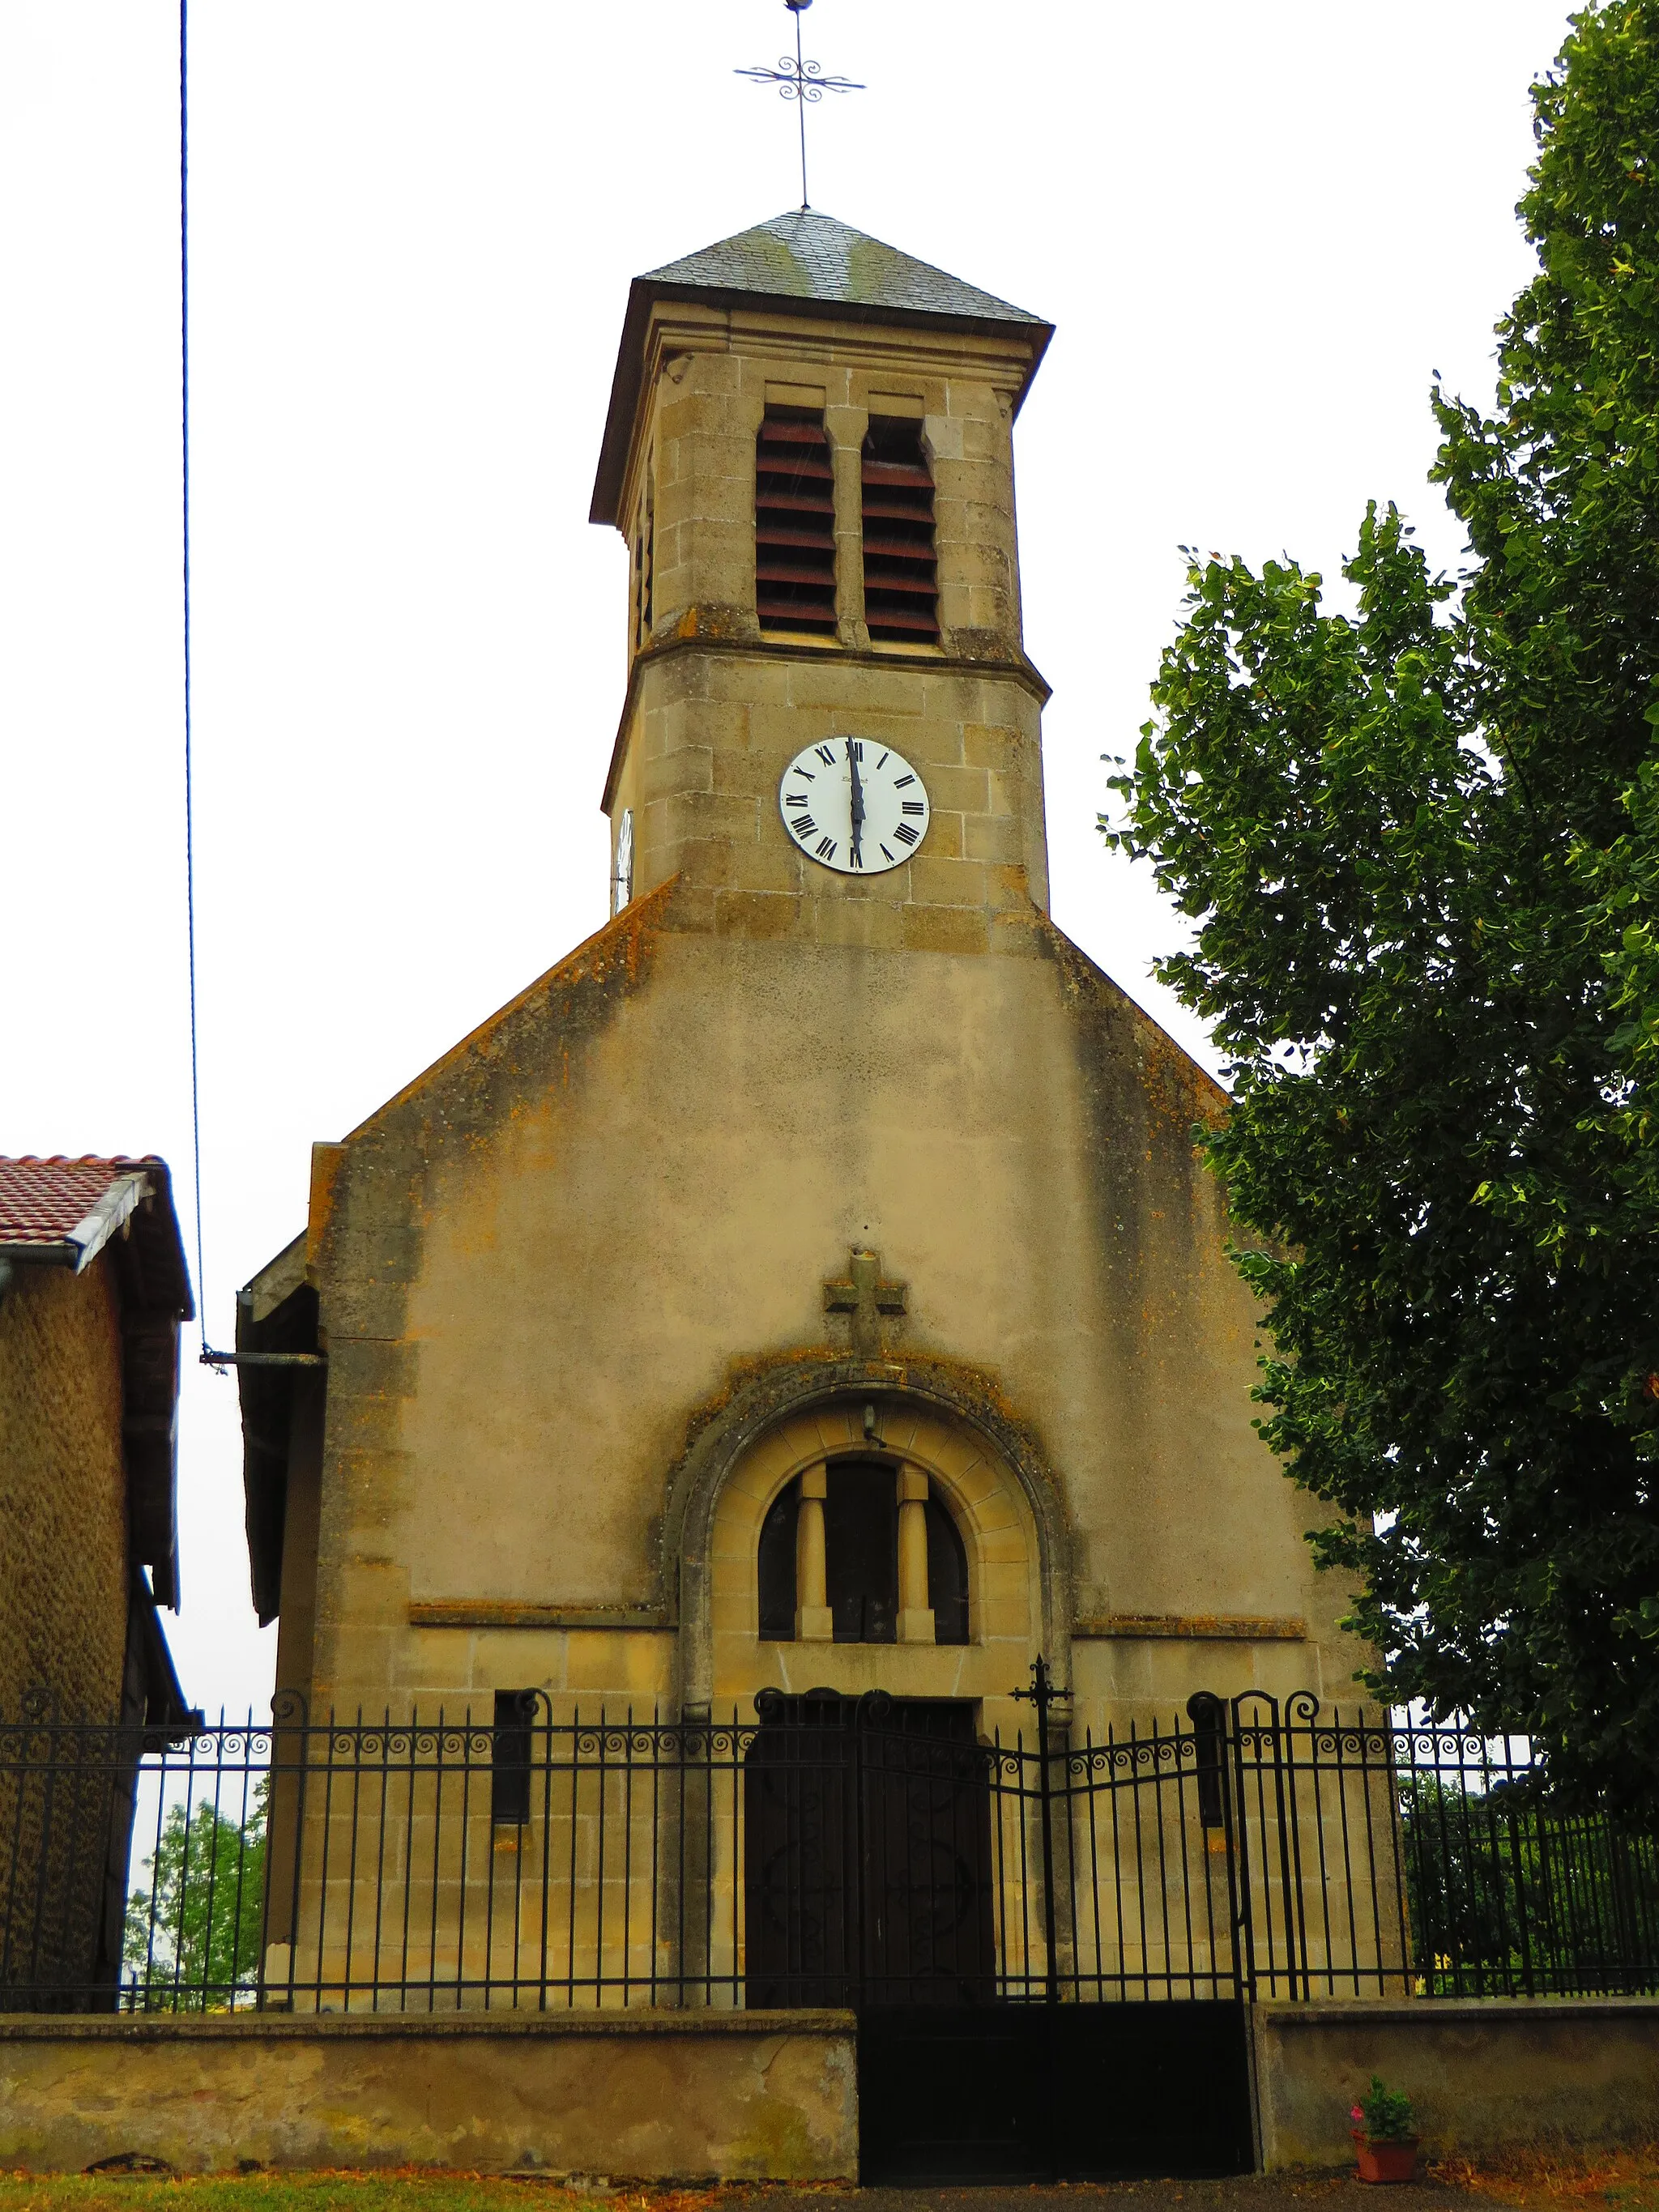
<point>804,826</point>
<point>899,782</point>
<point>904,835</point>
<point>912,806</point>
<point>826,754</point>
<point>794,799</point>
<point>826,848</point>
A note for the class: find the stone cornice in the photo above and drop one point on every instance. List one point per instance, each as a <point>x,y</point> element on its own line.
<point>1197,1627</point>
<point>1020,672</point>
<point>512,1612</point>
<point>1116,1628</point>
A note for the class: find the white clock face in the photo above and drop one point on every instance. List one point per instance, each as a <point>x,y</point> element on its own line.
<point>854,805</point>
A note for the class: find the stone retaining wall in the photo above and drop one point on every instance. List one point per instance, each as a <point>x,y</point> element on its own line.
<point>1484,2074</point>
<point>764,2096</point>
<point>749,2095</point>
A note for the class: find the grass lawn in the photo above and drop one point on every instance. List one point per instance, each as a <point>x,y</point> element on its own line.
<point>1559,2181</point>
<point>401,2189</point>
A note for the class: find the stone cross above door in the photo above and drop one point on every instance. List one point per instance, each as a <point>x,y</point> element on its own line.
<point>868,1300</point>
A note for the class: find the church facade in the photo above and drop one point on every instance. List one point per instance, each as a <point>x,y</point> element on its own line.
<point>811,1282</point>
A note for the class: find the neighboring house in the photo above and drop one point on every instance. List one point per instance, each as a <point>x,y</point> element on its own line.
<point>93,1288</point>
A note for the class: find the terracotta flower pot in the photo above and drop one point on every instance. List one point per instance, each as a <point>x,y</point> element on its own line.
<point>1385,2161</point>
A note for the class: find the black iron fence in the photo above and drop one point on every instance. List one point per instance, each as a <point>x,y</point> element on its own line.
<point>824,1851</point>
<point>1382,1855</point>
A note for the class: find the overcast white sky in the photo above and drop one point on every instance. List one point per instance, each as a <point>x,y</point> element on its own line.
<point>1259,225</point>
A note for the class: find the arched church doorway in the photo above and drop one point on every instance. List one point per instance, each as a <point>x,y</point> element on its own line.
<point>877,1579</point>
<point>876,1598</point>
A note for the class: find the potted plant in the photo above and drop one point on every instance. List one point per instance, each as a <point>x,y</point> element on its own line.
<point>1384,2139</point>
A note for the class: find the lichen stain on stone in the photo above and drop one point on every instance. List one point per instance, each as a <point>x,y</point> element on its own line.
<point>975,1391</point>
<point>741,1373</point>
<point>573,1000</point>
<point>326,1162</point>
<point>1176,1088</point>
<point>1174,1085</point>
<point>711,620</point>
<point>776,2145</point>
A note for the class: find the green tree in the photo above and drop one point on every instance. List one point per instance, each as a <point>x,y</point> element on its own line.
<point>1419,849</point>
<point>1504,1894</point>
<point>192,1938</point>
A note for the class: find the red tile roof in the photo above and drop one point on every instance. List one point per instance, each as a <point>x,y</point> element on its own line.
<point>42,1200</point>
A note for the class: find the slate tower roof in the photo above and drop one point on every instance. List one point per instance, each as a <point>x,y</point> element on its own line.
<point>804,255</point>
<point>819,266</point>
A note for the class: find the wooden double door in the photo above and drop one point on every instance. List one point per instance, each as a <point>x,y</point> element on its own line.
<point>867,1853</point>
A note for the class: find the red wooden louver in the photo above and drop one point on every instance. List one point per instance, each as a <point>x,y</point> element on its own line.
<point>901,584</point>
<point>794,524</point>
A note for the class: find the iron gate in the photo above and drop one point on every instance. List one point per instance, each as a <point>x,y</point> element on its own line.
<point>952,1892</point>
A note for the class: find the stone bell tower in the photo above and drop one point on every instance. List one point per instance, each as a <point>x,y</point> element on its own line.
<point>811,1281</point>
<point>809,451</point>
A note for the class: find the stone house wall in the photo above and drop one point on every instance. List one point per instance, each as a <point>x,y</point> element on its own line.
<point>62,1490</point>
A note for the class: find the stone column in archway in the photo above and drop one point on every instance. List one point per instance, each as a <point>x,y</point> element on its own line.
<point>814,1622</point>
<point>915,1615</point>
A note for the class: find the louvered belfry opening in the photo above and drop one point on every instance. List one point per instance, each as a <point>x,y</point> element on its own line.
<point>901,578</point>
<point>794,523</point>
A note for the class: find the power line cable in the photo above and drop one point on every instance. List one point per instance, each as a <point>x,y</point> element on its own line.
<point>220,1360</point>
<point>189,812</point>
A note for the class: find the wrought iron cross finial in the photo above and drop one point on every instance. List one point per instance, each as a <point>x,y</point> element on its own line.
<point>1043,1694</point>
<point>800,80</point>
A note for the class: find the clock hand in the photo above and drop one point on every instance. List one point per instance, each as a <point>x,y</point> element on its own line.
<point>858,806</point>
